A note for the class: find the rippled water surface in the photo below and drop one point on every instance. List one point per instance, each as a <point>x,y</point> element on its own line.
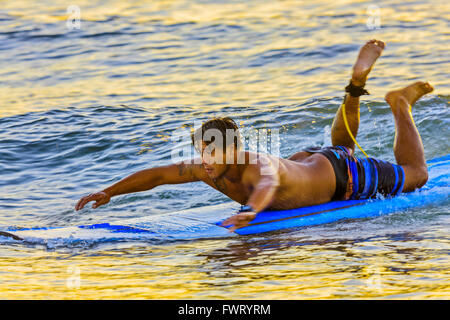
<point>80,109</point>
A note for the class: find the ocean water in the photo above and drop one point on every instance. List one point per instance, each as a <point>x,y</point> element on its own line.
<point>81,108</point>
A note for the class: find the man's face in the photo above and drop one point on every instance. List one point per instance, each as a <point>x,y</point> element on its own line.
<point>213,161</point>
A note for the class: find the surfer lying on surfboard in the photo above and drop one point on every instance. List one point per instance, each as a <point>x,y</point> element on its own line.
<point>309,177</point>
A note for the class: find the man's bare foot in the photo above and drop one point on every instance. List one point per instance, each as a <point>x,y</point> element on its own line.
<point>368,54</point>
<point>409,95</point>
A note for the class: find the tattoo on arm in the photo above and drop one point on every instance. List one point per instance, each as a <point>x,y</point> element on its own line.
<point>181,169</point>
<point>189,169</point>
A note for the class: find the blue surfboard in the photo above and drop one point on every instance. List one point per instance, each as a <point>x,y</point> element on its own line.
<point>205,222</point>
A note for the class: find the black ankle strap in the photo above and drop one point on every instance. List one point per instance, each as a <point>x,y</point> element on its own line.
<point>355,91</point>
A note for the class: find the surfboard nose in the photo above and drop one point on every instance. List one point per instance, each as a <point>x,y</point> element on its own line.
<point>10,235</point>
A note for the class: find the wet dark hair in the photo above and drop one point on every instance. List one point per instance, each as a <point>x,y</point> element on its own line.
<point>221,124</point>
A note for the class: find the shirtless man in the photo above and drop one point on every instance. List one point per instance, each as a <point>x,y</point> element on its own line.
<point>309,177</point>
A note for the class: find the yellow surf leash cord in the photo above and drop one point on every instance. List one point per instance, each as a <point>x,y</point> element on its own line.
<point>348,129</point>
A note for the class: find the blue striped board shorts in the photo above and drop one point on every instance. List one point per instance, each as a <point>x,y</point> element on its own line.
<point>361,178</point>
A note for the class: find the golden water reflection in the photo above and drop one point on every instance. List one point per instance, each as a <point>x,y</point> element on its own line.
<point>220,269</point>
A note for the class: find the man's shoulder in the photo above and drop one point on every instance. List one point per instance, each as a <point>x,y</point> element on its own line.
<point>260,165</point>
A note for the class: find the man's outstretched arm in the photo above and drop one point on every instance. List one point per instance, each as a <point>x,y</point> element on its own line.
<point>143,180</point>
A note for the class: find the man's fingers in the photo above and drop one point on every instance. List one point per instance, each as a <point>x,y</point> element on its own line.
<point>228,221</point>
<point>232,220</point>
<point>85,200</point>
<point>98,203</point>
<point>236,222</point>
<point>233,227</point>
<point>238,225</point>
<point>81,203</point>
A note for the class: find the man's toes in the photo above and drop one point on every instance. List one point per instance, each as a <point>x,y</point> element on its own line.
<point>427,87</point>
<point>381,44</point>
<point>424,87</point>
<point>376,42</point>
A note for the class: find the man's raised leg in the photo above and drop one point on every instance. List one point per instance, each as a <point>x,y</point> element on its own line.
<point>368,54</point>
<point>408,148</point>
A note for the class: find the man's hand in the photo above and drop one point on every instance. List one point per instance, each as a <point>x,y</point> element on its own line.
<point>239,220</point>
<point>100,198</point>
